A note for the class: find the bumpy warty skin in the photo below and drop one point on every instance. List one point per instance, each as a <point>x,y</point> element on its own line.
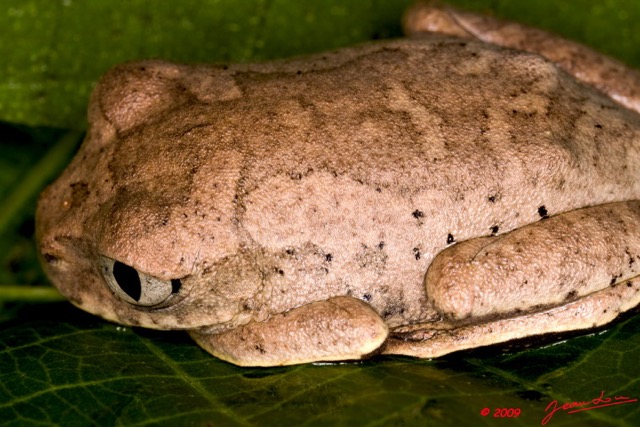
<point>265,187</point>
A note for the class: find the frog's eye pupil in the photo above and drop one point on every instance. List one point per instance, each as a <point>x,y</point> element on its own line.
<point>128,280</point>
<point>176,284</point>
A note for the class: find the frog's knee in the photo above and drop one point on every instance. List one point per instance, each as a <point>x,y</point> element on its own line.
<point>423,17</point>
<point>452,277</point>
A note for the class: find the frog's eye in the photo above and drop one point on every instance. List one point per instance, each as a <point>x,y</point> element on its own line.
<point>135,287</point>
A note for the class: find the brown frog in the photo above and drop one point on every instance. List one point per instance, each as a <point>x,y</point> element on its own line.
<point>414,197</point>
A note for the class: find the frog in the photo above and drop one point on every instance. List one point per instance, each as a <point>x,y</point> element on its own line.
<point>472,184</point>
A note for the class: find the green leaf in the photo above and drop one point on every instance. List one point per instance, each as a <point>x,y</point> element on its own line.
<point>61,366</point>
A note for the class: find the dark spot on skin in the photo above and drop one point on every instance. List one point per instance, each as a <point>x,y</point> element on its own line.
<point>381,245</point>
<point>393,309</point>
<point>260,349</point>
<point>279,271</point>
<point>570,295</point>
<point>417,214</point>
<point>366,297</point>
<point>613,281</point>
<point>492,199</point>
<point>450,239</point>
<point>328,257</point>
<point>299,72</point>
<point>290,251</point>
<point>494,230</point>
<point>604,311</point>
<point>79,191</point>
<point>598,125</point>
<point>378,189</point>
<point>542,211</point>
<point>629,285</point>
<point>416,253</point>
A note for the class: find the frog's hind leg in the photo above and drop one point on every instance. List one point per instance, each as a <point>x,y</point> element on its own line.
<point>608,75</point>
<point>340,328</point>
<point>440,338</point>
<point>576,270</point>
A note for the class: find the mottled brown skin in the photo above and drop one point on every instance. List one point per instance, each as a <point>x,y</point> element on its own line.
<point>302,203</point>
<point>606,74</point>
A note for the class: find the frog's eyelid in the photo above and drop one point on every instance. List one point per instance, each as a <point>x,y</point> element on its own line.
<point>135,287</point>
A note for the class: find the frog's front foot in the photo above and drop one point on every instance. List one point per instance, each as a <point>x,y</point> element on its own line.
<point>577,270</point>
<point>340,328</point>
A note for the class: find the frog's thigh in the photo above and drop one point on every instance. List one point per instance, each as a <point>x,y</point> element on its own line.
<point>341,328</point>
<point>610,76</point>
<point>571,271</point>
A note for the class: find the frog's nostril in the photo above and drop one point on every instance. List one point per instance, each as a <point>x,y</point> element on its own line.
<point>128,280</point>
<point>51,258</point>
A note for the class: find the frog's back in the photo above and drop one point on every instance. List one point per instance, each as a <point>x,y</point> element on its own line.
<point>462,133</point>
<point>376,161</point>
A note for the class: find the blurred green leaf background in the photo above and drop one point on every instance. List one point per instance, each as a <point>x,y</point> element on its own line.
<point>59,366</point>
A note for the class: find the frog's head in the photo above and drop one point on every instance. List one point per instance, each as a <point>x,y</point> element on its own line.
<point>141,228</point>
